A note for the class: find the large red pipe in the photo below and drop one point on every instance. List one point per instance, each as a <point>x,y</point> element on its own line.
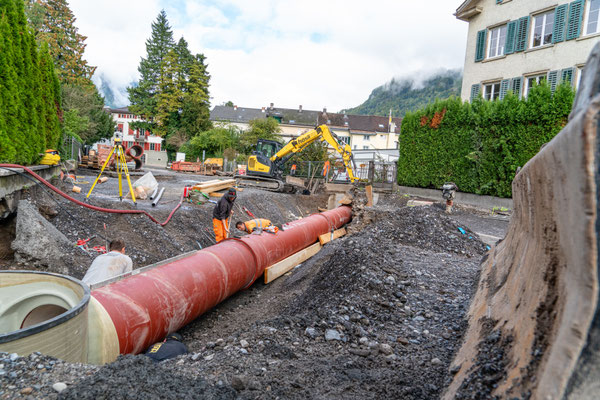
<point>144,308</point>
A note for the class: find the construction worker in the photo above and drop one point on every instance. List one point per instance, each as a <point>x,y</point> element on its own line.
<point>221,213</point>
<point>171,347</point>
<point>254,225</point>
<point>109,265</point>
<point>293,170</point>
<point>326,168</point>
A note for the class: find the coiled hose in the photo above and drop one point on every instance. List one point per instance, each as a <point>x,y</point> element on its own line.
<point>91,207</point>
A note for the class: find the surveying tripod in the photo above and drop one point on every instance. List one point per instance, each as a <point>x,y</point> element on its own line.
<point>121,166</point>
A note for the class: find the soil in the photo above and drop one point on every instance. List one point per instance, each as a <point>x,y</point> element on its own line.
<point>376,314</point>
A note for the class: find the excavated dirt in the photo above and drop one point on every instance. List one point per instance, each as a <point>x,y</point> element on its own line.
<point>189,229</point>
<point>376,314</point>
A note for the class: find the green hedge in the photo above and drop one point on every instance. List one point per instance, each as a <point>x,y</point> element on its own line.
<point>480,145</point>
<point>29,91</point>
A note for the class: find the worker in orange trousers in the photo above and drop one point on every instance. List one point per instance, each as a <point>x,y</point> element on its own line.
<point>221,214</point>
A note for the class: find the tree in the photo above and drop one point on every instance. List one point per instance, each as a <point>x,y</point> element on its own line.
<point>29,103</point>
<point>213,141</point>
<point>54,23</point>
<point>143,97</point>
<point>84,117</point>
<point>263,128</point>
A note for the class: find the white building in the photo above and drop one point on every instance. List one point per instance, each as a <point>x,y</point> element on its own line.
<point>155,153</point>
<point>513,43</point>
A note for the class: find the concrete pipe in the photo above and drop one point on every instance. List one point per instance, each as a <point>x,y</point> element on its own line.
<point>135,151</point>
<point>43,312</point>
<point>141,309</point>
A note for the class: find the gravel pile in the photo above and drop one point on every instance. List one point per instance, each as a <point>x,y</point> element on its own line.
<point>377,314</point>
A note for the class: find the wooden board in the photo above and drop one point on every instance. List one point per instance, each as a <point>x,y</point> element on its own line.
<point>276,270</point>
<point>327,237</point>
<point>369,190</point>
<point>215,194</point>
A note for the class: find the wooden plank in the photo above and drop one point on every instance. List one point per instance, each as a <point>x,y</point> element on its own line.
<point>215,194</point>
<point>229,182</point>
<point>276,270</point>
<point>369,190</point>
<point>328,237</point>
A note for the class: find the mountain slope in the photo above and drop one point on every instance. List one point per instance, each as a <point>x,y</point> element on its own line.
<point>402,96</point>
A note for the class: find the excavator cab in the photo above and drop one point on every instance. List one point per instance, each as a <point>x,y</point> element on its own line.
<point>267,148</point>
<point>259,163</point>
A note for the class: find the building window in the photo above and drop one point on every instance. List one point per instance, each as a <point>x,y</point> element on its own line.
<point>592,17</point>
<point>533,81</point>
<point>365,147</point>
<point>497,41</point>
<point>491,91</point>
<point>355,147</point>
<point>344,139</point>
<point>151,146</point>
<point>366,137</point>
<point>543,25</point>
<point>120,128</point>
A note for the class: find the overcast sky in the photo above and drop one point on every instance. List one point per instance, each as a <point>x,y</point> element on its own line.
<point>317,53</point>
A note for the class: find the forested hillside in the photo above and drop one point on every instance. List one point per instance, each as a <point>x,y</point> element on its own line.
<point>402,96</point>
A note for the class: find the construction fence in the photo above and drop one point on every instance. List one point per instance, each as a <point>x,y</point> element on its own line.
<point>378,174</point>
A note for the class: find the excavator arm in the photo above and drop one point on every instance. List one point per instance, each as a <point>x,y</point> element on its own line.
<point>321,133</point>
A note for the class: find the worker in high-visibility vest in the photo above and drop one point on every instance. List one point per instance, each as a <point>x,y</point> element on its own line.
<point>293,170</point>
<point>256,225</point>
<point>326,168</point>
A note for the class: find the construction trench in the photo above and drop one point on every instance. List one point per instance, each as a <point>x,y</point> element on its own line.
<point>409,304</point>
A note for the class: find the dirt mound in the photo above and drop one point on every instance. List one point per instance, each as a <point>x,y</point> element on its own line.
<point>376,314</point>
<point>138,377</point>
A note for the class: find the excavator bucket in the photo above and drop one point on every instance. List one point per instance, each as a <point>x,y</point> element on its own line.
<point>534,322</point>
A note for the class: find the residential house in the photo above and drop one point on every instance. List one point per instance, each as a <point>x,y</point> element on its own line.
<point>371,137</point>
<point>364,133</point>
<point>155,153</point>
<point>513,44</point>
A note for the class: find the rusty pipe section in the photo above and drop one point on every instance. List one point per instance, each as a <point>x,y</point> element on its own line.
<point>141,309</point>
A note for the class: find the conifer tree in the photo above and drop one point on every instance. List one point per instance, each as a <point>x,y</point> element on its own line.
<point>143,98</point>
<point>23,109</point>
<point>56,26</point>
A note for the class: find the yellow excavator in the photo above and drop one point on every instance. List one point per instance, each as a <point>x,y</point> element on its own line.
<point>265,165</point>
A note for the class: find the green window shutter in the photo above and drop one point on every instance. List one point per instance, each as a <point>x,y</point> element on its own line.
<point>480,47</point>
<point>522,34</point>
<point>575,17</point>
<point>504,85</point>
<point>516,85</point>
<point>511,35</point>
<point>560,19</point>
<point>553,80</point>
<point>566,76</point>
<point>475,89</point>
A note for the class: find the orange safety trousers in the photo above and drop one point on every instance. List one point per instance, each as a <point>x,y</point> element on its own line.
<point>220,228</point>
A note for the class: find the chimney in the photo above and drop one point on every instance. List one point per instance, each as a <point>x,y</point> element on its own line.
<point>235,107</point>
<point>324,111</point>
<point>263,109</point>
<point>300,108</point>
<point>272,104</point>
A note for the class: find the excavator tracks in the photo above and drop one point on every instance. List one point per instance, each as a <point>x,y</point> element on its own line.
<point>270,184</point>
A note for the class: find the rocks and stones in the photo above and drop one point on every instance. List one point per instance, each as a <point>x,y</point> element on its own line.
<point>59,386</point>
<point>37,242</point>
<point>332,334</point>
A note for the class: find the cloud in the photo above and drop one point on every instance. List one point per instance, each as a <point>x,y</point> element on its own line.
<point>313,53</point>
